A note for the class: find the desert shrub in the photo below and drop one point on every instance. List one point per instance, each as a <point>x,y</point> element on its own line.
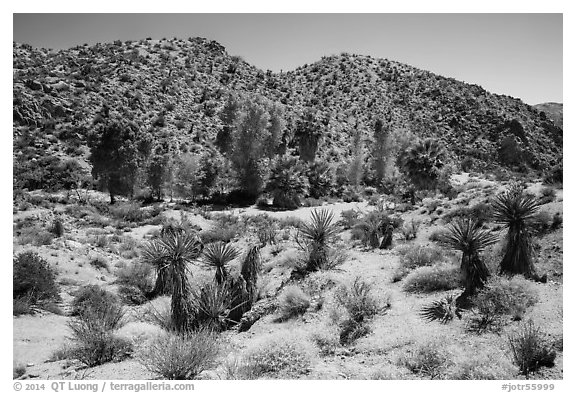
<point>177,357</point>
<point>548,194</point>
<point>92,298</point>
<point>18,370</point>
<point>277,357</point>
<point>556,221</point>
<point>415,256</point>
<point>327,341</point>
<point>531,349</point>
<point>439,277</point>
<point>482,365</point>
<point>293,302</point>
<point>410,229</point>
<point>349,218</point>
<point>21,306</point>
<point>481,212</point>
<point>35,236</point>
<point>430,359</point>
<point>137,275</point>
<point>375,229</point>
<point>100,263</point>
<point>158,313</point>
<point>554,175</point>
<point>130,212</point>
<point>350,331</point>
<point>33,280</point>
<point>289,222</point>
<point>358,300</point>
<point>93,335</point>
<point>58,228</point>
<point>225,235</point>
<point>437,235</point>
<point>499,298</point>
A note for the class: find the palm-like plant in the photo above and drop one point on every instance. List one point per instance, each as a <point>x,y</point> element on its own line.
<point>172,253</point>
<point>153,254</point>
<point>468,236</point>
<point>423,162</point>
<point>443,310</point>
<point>316,237</point>
<point>218,255</point>
<point>515,208</point>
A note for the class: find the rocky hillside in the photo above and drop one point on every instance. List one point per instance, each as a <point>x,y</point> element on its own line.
<point>176,88</point>
<point>553,110</point>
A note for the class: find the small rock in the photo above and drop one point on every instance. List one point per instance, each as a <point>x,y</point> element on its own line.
<point>30,365</point>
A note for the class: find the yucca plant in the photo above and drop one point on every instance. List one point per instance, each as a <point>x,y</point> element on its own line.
<point>468,236</point>
<point>515,209</point>
<point>443,310</point>
<point>172,254</point>
<point>250,269</point>
<point>315,237</point>
<point>218,255</point>
<point>211,305</point>
<point>153,254</point>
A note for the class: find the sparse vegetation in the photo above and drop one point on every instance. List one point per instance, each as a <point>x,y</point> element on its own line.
<point>531,349</point>
<point>176,357</point>
<point>293,302</point>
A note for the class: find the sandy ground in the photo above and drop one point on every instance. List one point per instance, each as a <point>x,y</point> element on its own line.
<point>398,330</point>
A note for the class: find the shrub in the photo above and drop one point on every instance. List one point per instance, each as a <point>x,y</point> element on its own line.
<point>350,331</point>
<point>481,212</point>
<point>439,277</point>
<point>93,335</point>
<point>531,349</point>
<point>482,365</point>
<point>430,359</point>
<point>99,262</point>
<point>35,236</point>
<point>410,229</point>
<point>92,298</point>
<point>58,228</point>
<point>507,297</point>
<point>33,279</point>
<point>358,300</point>
<point>219,235</point>
<point>327,342</point>
<point>419,255</point>
<point>178,357</point>
<point>293,302</point>
<point>349,218</point>
<point>286,356</point>
<point>501,297</point>
<point>18,370</point>
<point>137,275</point>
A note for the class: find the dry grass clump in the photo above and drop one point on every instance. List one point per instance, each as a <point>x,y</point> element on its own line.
<point>531,348</point>
<point>430,359</point>
<point>276,357</point>
<point>93,335</point>
<point>293,302</point>
<point>178,357</point>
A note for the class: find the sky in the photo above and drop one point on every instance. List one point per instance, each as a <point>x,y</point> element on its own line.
<point>513,54</point>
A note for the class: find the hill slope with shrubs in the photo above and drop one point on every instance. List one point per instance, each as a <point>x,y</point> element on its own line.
<point>177,91</point>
